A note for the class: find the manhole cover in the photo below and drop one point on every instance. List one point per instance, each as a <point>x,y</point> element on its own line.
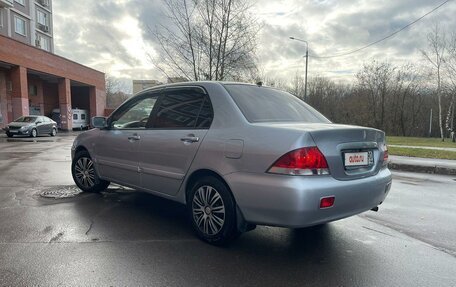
<point>61,192</point>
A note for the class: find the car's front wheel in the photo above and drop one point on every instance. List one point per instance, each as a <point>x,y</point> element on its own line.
<point>212,211</point>
<point>84,174</point>
<point>33,133</point>
<point>10,135</point>
<point>53,132</point>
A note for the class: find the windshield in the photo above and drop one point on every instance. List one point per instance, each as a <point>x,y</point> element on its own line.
<point>262,104</point>
<point>26,119</point>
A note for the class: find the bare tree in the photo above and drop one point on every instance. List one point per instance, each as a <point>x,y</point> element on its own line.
<point>115,94</point>
<point>450,62</point>
<point>207,39</point>
<point>374,80</point>
<point>437,45</point>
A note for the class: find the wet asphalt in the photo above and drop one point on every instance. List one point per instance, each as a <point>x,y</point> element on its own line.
<point>123,237</point>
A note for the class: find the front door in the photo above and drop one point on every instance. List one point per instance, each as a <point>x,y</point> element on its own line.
<point>179,125</point>
<point>117,147</point>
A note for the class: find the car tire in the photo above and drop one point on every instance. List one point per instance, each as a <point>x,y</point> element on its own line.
<point>85,175</point>
<point>9,135</point>
<point>53,132</point>
<point>33,133</point>
<point>212,211</point>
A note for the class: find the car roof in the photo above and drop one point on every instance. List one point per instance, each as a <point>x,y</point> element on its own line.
<point>192,84</point>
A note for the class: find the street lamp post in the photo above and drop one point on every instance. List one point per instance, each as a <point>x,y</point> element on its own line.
<point>307,63</point>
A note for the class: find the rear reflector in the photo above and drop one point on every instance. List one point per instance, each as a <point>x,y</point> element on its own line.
<point>327,202</point>
<point>303,161</point>
<point>385,155</point>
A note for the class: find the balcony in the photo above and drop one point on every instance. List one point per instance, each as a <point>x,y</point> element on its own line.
<point>6,3</point>
<point>44,3</point>
<point>44,28</point>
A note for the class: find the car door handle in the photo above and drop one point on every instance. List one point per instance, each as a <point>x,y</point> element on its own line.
<point>134,138</point>
<point>190,139</point>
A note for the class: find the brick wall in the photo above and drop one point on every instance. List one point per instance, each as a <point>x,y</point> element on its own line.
<point>16,53</point>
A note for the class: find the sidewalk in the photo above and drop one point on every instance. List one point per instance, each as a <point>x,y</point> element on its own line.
<point>425,147</point>
<point>425,165</point>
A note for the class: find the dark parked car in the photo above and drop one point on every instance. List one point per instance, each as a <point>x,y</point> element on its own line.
<point>31,126</point>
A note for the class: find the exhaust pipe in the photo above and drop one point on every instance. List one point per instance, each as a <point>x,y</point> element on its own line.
<point>375,209</point>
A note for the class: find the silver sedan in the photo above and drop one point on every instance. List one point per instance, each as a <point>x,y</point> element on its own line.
<point>237,155</point>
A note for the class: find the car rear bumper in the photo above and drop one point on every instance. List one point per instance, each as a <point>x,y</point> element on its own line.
<point>294,201</point>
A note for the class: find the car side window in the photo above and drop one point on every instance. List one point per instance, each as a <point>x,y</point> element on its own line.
<point>206,115</point>
<point>183,108</point>
<point>135,114</point>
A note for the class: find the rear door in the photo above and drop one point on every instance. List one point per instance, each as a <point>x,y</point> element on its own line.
<point>48,124</point>
<point>117,147</point>
<point>41,126</point>
<point>167,150</point>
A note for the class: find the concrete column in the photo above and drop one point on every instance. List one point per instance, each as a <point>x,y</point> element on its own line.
<point>19,99</point>
<point>66,114</point>
<point>3,101</point>
<point>97,102</point>
<point>93,102</point>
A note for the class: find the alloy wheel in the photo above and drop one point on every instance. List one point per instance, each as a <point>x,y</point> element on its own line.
<point>208,210</point>
<point>85,172</point>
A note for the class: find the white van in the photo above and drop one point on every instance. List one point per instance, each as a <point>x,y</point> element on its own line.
<point>81,118</point>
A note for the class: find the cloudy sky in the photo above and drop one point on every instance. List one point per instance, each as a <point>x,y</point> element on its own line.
<point>111,35</point>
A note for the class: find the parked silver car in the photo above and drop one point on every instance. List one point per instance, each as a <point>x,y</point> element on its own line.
<point>237,155</point>
<point>32,126</point>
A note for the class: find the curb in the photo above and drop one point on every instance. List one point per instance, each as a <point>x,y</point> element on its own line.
<point>423,169</point>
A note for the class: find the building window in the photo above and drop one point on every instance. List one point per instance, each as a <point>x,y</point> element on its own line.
<point>44,43</point>
<point>41,17</point>
<point>19,26</point>
<point>22,2</point>
<point>1,18</point>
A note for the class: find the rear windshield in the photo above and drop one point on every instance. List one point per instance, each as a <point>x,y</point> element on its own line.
<point>261,104</point>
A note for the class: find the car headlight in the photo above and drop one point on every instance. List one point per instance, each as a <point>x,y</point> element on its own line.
<point>24,128</point>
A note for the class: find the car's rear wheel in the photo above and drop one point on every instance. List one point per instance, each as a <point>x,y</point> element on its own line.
<point>84,174</point>
<point>33,133</point>
<point>212,211</point>
<point>53,132</point>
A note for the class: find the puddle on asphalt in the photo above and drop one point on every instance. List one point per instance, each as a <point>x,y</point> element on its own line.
<point>59,192</point>
<point>31,140</point>
<point>16,155</point>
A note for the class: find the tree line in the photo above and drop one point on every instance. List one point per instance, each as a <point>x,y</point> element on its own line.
<point>217,40</point>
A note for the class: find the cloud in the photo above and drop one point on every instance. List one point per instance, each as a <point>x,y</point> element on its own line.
<point>113,35</point>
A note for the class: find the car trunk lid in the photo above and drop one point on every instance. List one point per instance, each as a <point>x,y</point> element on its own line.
<point>351,152</point>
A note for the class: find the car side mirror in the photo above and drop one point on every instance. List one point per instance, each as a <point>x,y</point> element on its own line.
<point>99,122</point>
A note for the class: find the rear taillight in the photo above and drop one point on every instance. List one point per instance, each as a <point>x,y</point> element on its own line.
<point>303,161</point>
<point>385,155</point>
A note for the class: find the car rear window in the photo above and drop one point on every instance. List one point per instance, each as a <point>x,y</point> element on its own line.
<point>262,104</point>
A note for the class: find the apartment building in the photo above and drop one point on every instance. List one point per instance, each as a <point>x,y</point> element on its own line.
<point>28,21</point>
<point>34,80</point>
